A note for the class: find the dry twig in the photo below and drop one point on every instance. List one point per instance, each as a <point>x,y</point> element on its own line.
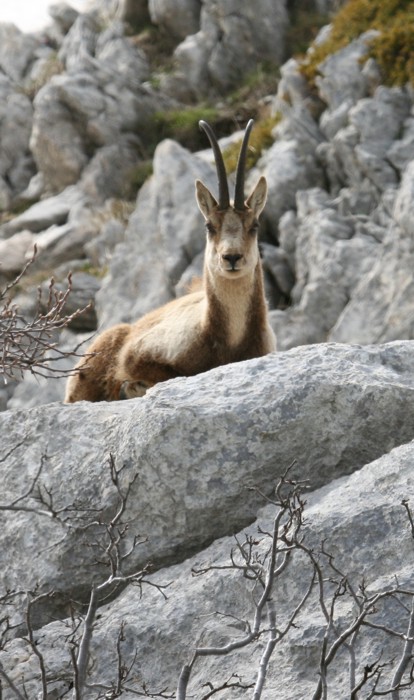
<point>31,344</point>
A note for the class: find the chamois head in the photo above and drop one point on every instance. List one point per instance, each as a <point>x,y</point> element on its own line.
<point>232,228</point>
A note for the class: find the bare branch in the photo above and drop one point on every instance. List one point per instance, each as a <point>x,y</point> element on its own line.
<point>230,683</point>
<point>263,570</point>
<point>407,655</point>
<point>16,691</point>
<point>26,344</point>
<point>32,601</point>
<point>409,514</point>
<point>115,532</point>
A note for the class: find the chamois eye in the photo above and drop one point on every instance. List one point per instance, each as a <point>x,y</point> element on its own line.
<point>210,228</point>
<point>254,228</point>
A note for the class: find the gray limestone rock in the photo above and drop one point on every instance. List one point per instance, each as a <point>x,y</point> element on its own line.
<point>381,306</point>
<point>64,15</point>
<point>164,234</point>
<point>341,78</point>
<point>56,144</point>
<point>134,12</point>
<point>287,169</point>
<point>401,151</point>
<point>329,255</point>
<point>350,516</point>
<point>17,51</point>
<point>16,115</point>
<point>78,47</point>
<point>43,214</point>
<point>332,409</point>
<point>234,38</point>
<point>177,17</point>
<point>110,173</point>
<point>98,98</point>
<point>14,253</point>
<point>308,404</point>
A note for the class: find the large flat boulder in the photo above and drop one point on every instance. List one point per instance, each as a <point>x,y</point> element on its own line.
<point>187,451</point>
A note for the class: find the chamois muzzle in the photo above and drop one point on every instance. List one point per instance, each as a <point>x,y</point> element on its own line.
<point>224,198</point>
<point>233,260</point>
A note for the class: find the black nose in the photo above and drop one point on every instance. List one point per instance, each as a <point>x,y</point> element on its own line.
<point>232,259</point>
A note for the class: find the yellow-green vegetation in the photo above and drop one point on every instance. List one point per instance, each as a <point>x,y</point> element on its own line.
<point>260,139</point>
<point>393,49</point>
<point>117,209</point>
<point>98,272</point>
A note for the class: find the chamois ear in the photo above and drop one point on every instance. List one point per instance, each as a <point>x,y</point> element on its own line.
<point>205,200</point>
<point>257,199</point>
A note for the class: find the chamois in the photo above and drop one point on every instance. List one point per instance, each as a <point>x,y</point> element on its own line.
<point>226,321</point>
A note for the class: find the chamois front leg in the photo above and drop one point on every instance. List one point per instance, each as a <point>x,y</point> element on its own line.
<point>95,377</point>
<point>138,370</point>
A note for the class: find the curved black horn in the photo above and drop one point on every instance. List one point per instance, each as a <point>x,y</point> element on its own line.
<point>224,197</point>
<point>241,166</point>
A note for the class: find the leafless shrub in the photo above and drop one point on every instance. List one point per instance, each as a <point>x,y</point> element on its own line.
<point>114,552</point>
<point>263,565</point>
<point>349,611</point>
<point>26,344</point>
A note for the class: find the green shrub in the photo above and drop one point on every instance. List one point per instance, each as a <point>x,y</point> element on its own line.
<point>182,125</point>
<point>394,52</point>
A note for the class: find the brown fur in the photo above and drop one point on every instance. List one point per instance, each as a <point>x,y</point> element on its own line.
<point>224,322</point>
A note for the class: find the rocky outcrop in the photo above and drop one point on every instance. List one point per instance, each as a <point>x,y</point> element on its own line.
<point>234,37</point>
<point>345,240</point>
<point>381,307</point>
<point>134,12</point>
<point>186,454</point>
<point>16,161</point>
<point>98,99</point>
<point>178,18</point>
<point>331,408</point>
